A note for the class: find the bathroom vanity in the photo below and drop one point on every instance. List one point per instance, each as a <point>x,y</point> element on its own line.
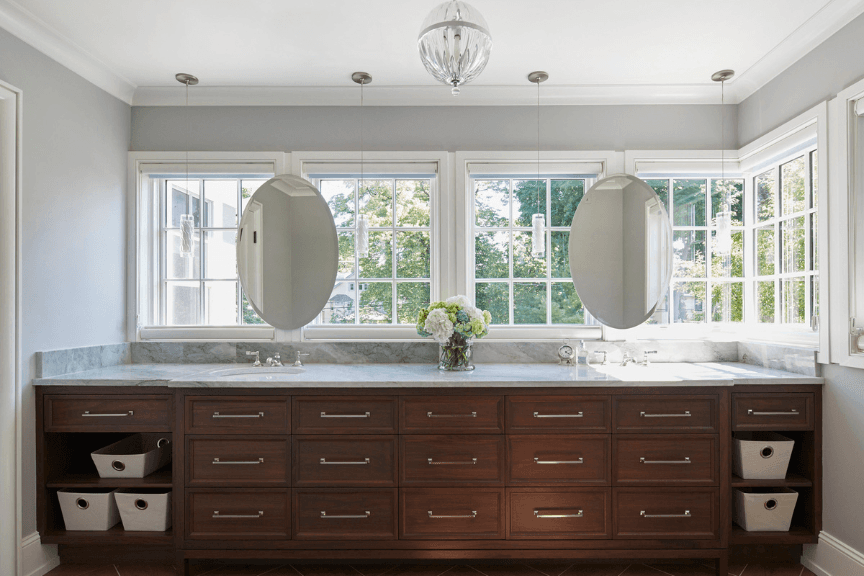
<point>399,462</point>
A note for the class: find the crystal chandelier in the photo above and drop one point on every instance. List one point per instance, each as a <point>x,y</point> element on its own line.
<point>454,43</point>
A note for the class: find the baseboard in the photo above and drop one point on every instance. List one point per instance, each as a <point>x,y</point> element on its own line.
<point>37,559</point>
<point>831,557</point>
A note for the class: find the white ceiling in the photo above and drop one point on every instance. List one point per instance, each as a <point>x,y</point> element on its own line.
<point>296,48</point>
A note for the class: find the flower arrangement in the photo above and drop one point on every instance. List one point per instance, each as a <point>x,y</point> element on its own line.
<point>454,323</point>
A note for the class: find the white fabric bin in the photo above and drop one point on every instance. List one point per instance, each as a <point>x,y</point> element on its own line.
<point>88,508</point>
<point>761,455</point>
<point>764,509</point>
<point>134,457</point>
<point>144,510</point>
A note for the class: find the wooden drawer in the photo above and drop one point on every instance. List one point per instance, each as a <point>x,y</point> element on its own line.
<point>559,513</point>
<point>108,413</point>
<point>451,460</point>
<point>336,514</point>
<point>539,414</point>
<point>344,461</point>
<point>665,460</point>
<point>558,459</point>
<point>680,513</point>
<point>237,415</point>
<point>785,411</point>
<point>239,462</point>
<point>451,513</point>
<point>245,514</point>
<point>451,414</point>
<point>665,414</point>
<point>344,415</point>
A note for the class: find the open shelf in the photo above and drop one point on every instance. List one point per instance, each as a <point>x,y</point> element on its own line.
<point>795,535</point>
<point>159,479</point>
<point>792,480</point>
<point>113,536</point>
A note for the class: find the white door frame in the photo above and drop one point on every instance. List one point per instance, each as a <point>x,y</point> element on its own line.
<point>10,329</point>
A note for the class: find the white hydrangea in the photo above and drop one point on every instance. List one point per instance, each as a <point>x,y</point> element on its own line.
<point>439,325</point>
<point>461,300</point>
<point>474,313</point>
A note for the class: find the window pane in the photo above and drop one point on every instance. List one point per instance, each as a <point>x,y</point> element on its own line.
<point>182,266</point>
<point>376,201</point>
<point>220,201</point>
<point>346,255</point>
<point>410,298</point>
<point>412,202</point>
<point>247,189</point>
<point>765,251</point>
<point>734,191</point>
<point>727,302</point>
<point>689,301</point>
<point>379,263</point>
<point>492,202</point>
<point>765,302</point>
<point>661,312</point>
<point>182,198</point>
<point>492,255</point>
<point>340,308</point>
<point>566,195</point>
<point>412,254</point>
<point>220,303</point>
<point>339,195</point>
<point>765,196</point>
<point>814,295</point>
<point>524,264</point>
<point>814,182</point>
<point>566,306</point>
<point>661,187</point>
<point>792,177</point>
<point>494,297</point>
<point>793,245</point>
<point>376,303</point>
<point>529,303</point>
<point>560,258</point>
<point>182,303</point>
<point>689,248</point>
<point>249,314</point>
<point>794,307</point>
<point>689,199</point>
<point>732,264</point>
<point>529,198</point>
<point>220,254</point>
<point>814,241</point>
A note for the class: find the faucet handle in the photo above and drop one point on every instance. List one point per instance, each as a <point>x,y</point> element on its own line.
<point>298,362</point>
<point>605,357</point>
<point>257,355</point>
<point>645,356</point>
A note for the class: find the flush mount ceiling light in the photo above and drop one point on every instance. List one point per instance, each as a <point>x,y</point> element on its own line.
<point>454,43</point>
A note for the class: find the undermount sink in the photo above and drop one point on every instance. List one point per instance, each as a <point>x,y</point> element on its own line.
<point>255,374</point>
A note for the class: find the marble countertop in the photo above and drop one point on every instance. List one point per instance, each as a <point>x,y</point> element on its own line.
<point>428,376</point>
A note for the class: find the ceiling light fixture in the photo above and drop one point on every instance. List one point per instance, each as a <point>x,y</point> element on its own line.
<point>723,245</point>
<point>362,78</point>
<point>187,221</point>
<point>454,43</point>
<point>538,220</point>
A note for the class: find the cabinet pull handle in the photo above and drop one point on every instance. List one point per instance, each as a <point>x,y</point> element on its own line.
<point>538,415</point>
<point>431,415</point>
<point>537,514</point>
<point>343,516</point>
<point>434,463</point>
<point>684,461</point>
<point>324,461</point>
<point>686,514</point>
<point>87,414</point>
<point>686,414</point>
<point>258,415</point>
<point>364,415</point>
<point>790,413</point>
<point>218,461</point>
<point>473,514</point>
<point>217,515</point>
<point>579,461</point>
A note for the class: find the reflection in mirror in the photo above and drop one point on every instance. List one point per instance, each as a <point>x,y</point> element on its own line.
<point>621,251</point>
<point>287,252</point>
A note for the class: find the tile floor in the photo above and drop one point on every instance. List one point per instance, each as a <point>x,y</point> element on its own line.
<point>476,569</point>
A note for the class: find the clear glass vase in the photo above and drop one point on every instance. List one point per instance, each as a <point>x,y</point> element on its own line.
<point>455,358</point>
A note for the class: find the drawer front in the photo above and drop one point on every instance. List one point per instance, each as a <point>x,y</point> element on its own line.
<point>792,411</point>
<point>559,459</point>
<point>559,513</point>
<point>665,460</point>
<point>225,461</point>
<point>344,461</point>
<point>689,514</point>
<point>237,415</point>
<point>665,414</point>
<point>344,415</point>
<point>108,413</point>
<point>452,415</point>
<point>335,514</point>
<point>539,414</point>
<point>451,460</point>
<point>247,514</point>
<point>451,513</point>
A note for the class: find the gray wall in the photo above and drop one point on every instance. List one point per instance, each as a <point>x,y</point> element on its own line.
<point>74,184</point>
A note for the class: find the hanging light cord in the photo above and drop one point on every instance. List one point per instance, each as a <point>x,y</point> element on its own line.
<point>362,82</point>
<point>188,126</point>
<point>538,147</point>
<point>726,203</point>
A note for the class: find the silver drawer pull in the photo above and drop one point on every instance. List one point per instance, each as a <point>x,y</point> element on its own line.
<point>344,516</point>
<point>431,415</point>
<point>686,414</point>
<point>684,461</point>
<point>364,415</point>
<point>579,461</point>
<point>686,514</point>
<point>218,461</point>
<point>217,515</point>
<point>87,414</point>
<point>473,514</point>
<point>433,463</point>
<point>537,514</point>
<point>324,461</point>
<point>258,415</point>
<point>790,413</point>
<point>538,415</point>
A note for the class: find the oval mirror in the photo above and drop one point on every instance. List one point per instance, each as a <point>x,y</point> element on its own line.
<point>287,252</point>
<point>621,251</point>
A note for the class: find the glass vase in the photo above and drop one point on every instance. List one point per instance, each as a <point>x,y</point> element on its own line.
<point>455,358</point>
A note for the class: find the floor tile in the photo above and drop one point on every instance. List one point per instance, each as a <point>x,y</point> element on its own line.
<point>82,570</point>
<point>550,568</point>
<point>807,572</point>
<point>284,570</point>
<point>420,570</point>
<point>146,570</point>
<point>784,569</point>
<point>374,569</point>
<point>582,569</point>
<point>691,569</point>
<point>240,570</point>
<point>325,569</point>
<point>736,569</point>
<point>508,569</point>
<point>641,570</point>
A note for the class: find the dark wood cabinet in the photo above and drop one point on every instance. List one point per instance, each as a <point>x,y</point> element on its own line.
<point>451,514</point>
<point>237,415</point>
<point>558,459</point>
<point>560,414</point>
<point>451,415</point>
<point>687,513</point>
<point>665,413</point>
<point>559,513</point>
<point>345,415</point>
<point>229,461</point>
<point>772,412</point>
<point>345,461</point>
<point>238,514</point>
<point>666,460</point>
<point>108,413</point>
<point>452,460</point>
<point>345,514</point>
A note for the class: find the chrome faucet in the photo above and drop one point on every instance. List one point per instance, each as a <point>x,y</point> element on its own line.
<point>627,359</point>
<point>298,362</point>
<point>605,357</point>
<point>645,355</point>
<point>275,361</point>
<point>257,355</point>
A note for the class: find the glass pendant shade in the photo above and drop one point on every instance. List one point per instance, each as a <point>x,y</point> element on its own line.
<point>723,246</point>
<point>538,235</point>
<point>187,228</point>
<point>362,236</point>
<point>454,43</point>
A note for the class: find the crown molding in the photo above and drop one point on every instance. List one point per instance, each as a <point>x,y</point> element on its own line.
<point>21,23</point>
